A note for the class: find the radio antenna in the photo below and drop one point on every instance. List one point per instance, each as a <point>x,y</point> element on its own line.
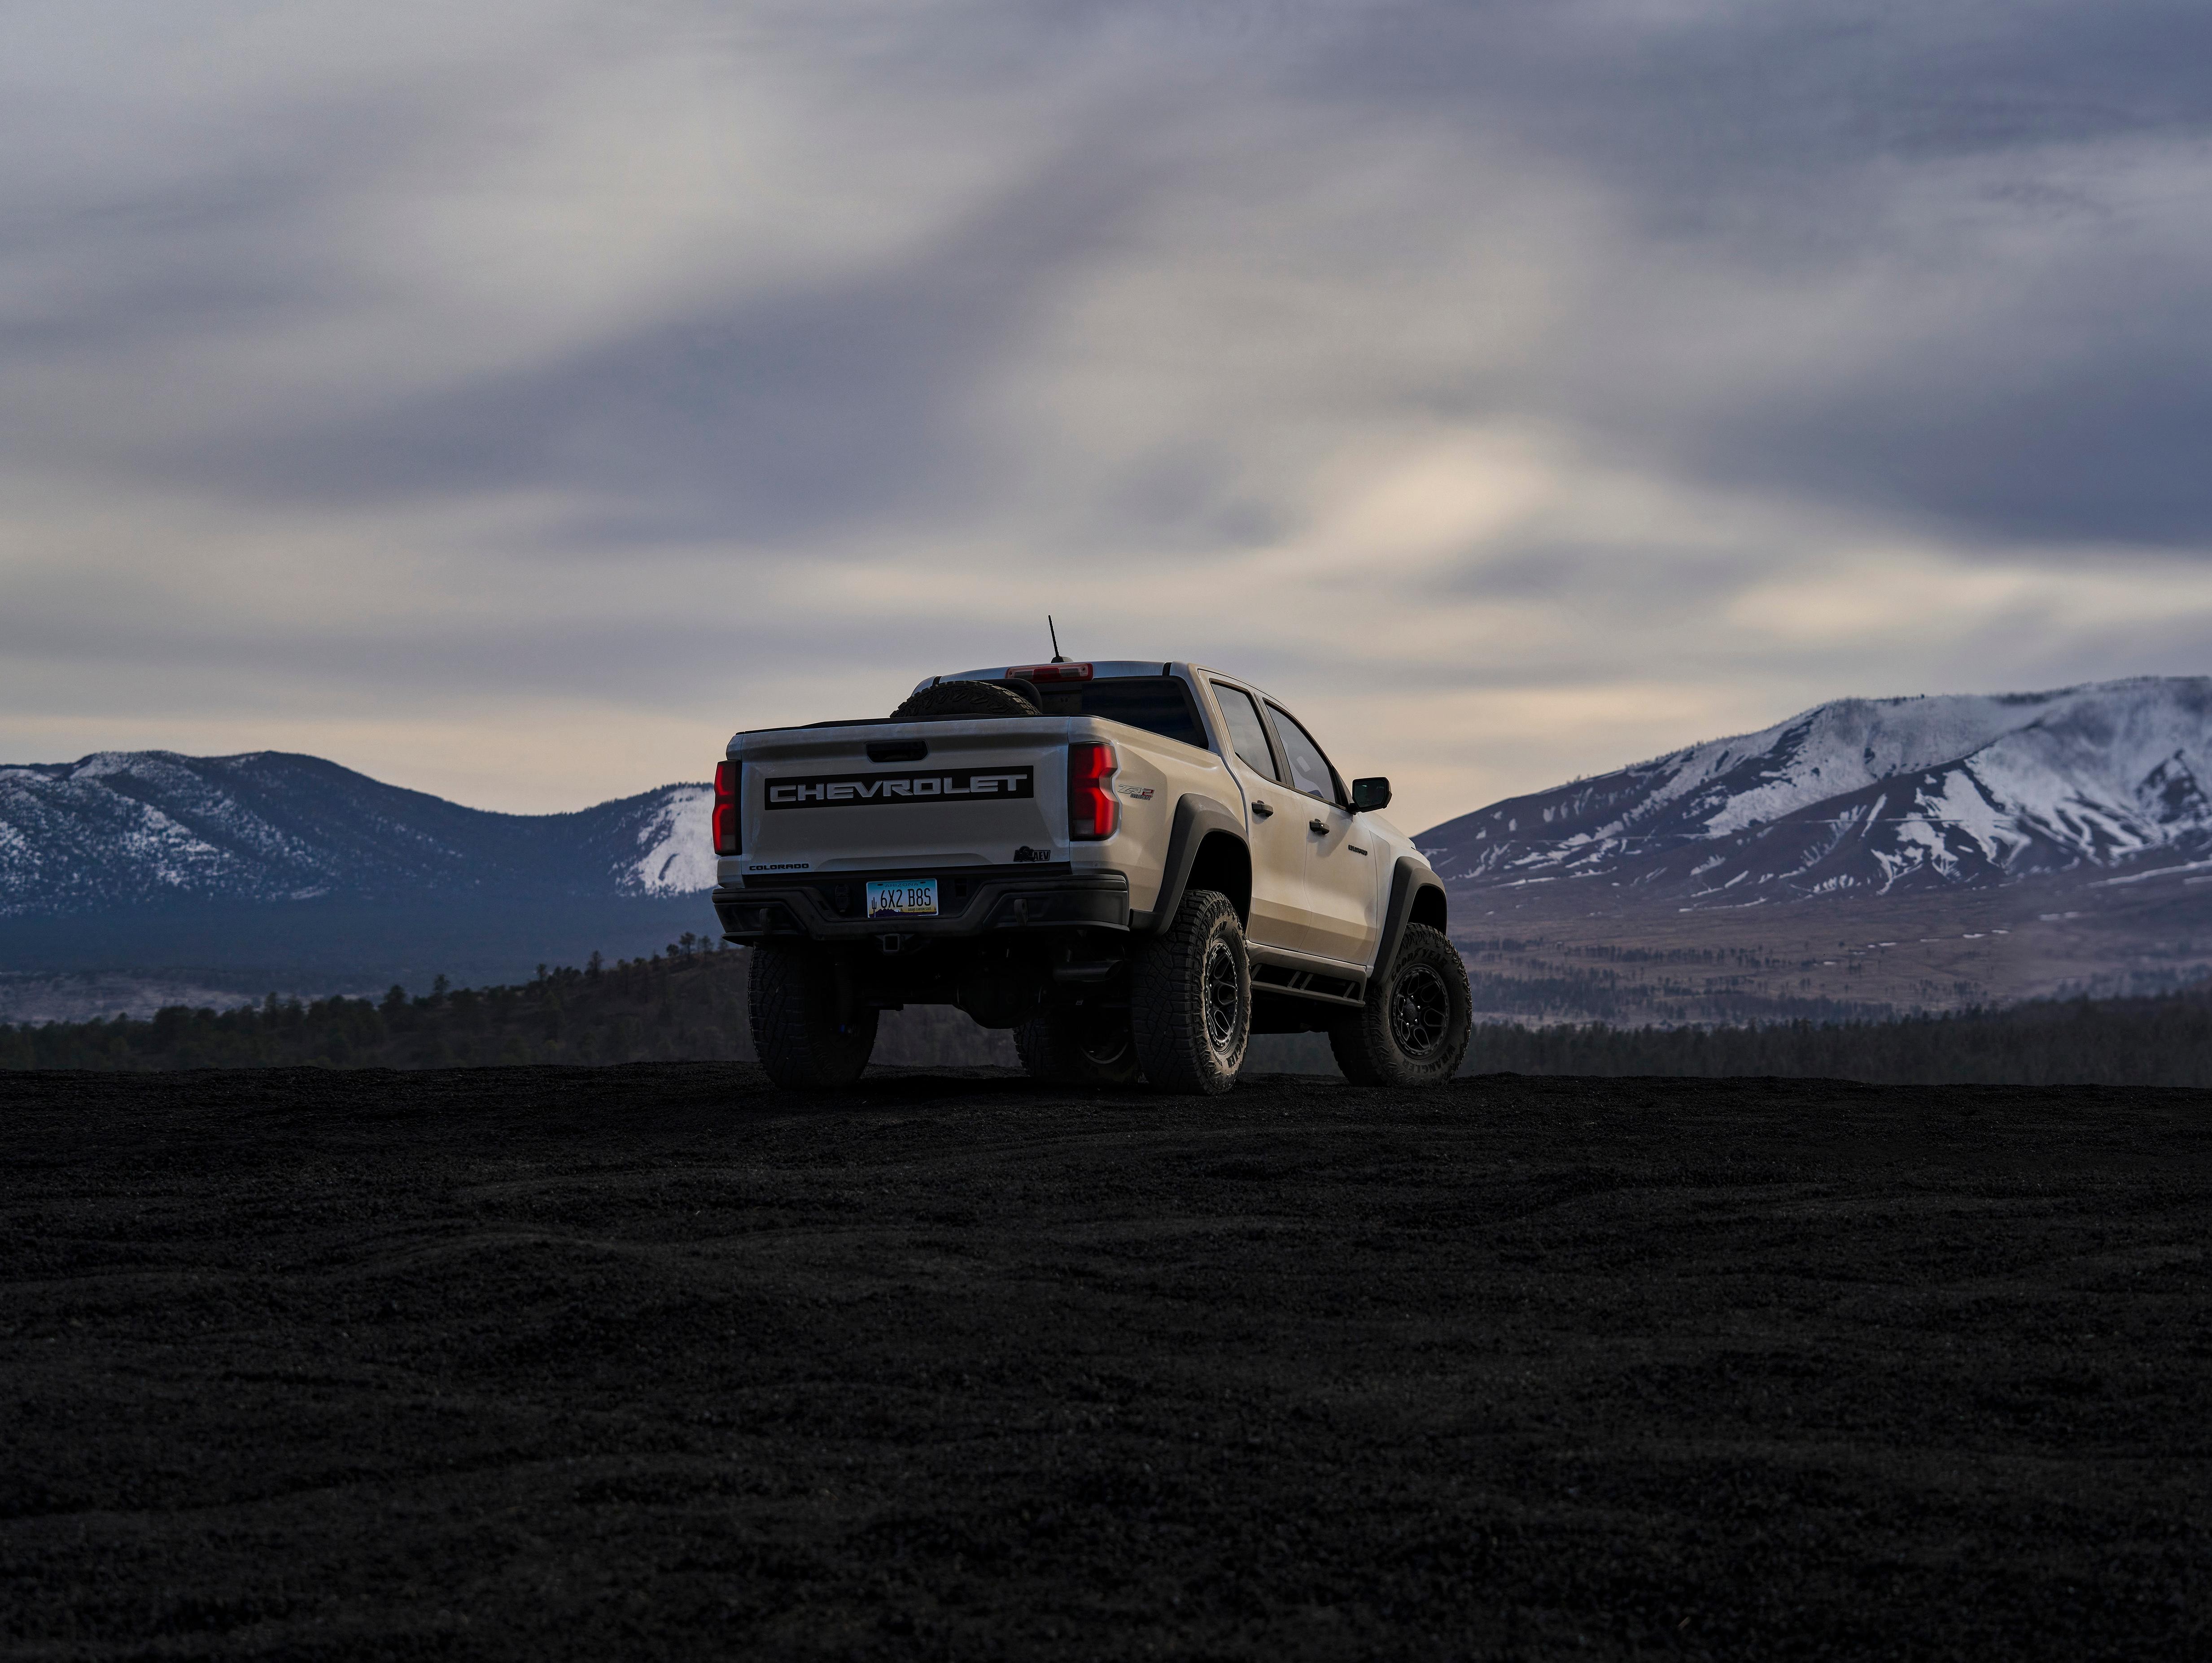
<point>1056,657</point>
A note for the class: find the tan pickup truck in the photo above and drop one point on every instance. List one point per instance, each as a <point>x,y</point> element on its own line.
<point>1134,866</point>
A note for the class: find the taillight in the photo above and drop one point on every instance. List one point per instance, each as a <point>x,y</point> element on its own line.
<point>1093,811</point>
<point>1049,672</point>
<point>726,837</point>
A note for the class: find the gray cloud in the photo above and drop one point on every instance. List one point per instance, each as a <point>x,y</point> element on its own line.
<point>1678,361</point>
<point>771,416</point>
<point>2059,402</point>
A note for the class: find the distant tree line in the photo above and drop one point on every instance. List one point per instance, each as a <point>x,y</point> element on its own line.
<point>688,1004</point>
<point>2164,1040</point>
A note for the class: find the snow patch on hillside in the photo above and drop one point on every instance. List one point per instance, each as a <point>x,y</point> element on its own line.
<point>677,842</point>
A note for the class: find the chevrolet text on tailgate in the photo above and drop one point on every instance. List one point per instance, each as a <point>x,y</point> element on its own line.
<point>1135,866</point>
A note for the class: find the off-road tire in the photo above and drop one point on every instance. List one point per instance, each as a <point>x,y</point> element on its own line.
<point>1190,998</point>
<point>1415,1027</point>
<point>963,699</point>
<point>1078,1047</point>
<point>796,1033</point>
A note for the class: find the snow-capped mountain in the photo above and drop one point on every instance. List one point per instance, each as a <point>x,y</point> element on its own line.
<point>125,828</point>
<point>1874,794</point>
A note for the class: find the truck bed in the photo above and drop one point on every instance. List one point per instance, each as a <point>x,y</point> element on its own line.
<point>986,795</point>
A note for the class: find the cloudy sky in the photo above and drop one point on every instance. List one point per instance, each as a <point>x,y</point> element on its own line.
<point>510,400</point>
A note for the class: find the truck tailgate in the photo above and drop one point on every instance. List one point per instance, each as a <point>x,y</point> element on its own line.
<point>940,793</point>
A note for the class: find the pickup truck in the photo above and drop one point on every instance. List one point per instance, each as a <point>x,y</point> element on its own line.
<point>1134,866</point>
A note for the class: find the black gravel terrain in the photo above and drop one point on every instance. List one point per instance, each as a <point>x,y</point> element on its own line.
<point>653,1361</point>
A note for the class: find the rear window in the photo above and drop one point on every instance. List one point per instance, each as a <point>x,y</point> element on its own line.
<point>1158,704</point>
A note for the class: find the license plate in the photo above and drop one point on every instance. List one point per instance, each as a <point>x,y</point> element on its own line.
<point>906,897</point>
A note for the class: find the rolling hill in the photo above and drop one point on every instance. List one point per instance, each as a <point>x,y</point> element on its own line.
<point>275,870</point>
<point>1864,857</point>
<point>122,828</point>
<point>1874,794</point>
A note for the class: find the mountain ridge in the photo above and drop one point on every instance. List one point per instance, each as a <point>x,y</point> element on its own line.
<point>1933,790</point>
<point>121,829</point>
<point>272,869</point>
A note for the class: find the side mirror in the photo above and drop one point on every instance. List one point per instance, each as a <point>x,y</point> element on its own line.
<point>1370,795</point>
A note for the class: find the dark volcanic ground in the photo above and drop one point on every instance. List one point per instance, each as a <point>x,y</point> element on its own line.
<point>555,1363</point>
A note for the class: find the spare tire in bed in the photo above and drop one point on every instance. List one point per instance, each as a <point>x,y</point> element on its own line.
<point>963,699</point>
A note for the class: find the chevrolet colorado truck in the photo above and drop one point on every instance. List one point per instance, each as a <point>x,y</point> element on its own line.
<point>1134,866</point>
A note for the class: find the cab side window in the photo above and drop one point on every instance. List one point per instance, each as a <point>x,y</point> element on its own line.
<point>1246,732</point>
<point>1310,770</point>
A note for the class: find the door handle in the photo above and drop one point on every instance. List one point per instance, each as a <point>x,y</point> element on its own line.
<point>1321,826</point>
<point>1261,808</point>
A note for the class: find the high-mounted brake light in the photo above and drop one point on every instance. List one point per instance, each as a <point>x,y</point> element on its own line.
<point>1093,811</point>
<point>728,837</point>
<point>1049,672</point>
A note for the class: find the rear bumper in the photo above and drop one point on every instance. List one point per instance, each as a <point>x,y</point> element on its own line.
<point>976,901</point>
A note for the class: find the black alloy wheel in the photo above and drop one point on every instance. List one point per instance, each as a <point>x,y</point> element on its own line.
<point>1415,1027</point>
<point>1078,1047</point>
<point>1421,1012</point>
<point>1190,998</point>
<point>1108,1053</point>
<point>1223,997</point>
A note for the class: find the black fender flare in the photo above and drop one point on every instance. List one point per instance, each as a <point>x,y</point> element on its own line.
<point>1408,879</point>
<point>1195,818</point>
